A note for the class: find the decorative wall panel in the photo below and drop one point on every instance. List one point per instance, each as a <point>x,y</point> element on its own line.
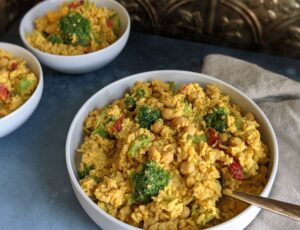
<point>261,25</point>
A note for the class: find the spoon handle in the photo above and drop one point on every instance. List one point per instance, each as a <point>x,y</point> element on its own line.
<point>282,208</point>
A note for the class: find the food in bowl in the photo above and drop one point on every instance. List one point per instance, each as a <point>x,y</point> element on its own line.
<point>17,82</point>
<point>158,158</point>
<point>75,28</point>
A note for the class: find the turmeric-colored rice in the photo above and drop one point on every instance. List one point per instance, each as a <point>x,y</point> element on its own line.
<point>233,157</point>
<point>17,82</point>
<point>103,31</point>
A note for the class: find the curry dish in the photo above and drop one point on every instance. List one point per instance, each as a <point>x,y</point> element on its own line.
<point>17,82</point>
<point>75,28</point>
<point>159,157</point>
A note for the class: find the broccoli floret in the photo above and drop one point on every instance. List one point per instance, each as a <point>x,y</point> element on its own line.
<point>55,39</point>
<point>75,29</point>
<point>148,182</point>
<point>217,119</point>
<point>140,93</point>
<point>130,103</point>
<point>140,142</point>
<point>147,116</point>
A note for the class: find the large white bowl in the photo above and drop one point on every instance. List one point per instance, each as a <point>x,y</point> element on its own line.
<point>15,119</point>
<point>115,91</point>
<point>78,63</point>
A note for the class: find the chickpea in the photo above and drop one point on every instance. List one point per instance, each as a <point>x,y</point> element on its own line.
<point>180,121</point>
<point>190,130</point>
<point>187,168</point>
<point>250,116</point>
<point>154,155</point>
<point>167,114</point>
<point>157,126</point>
<point>124,212</point>
<point>235,141</point>
<point>167,157</point>
<point>3,62</point>
<point>223,137</point>
<point>185,212</point>
<point>190,181</point>
<point>192,97</point>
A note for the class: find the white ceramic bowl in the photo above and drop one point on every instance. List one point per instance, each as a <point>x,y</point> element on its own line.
<point>15,119</point>
<point>78,63</point>
<point>115,91</point>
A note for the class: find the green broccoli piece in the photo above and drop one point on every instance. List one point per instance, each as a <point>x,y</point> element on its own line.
<point>97,179</point>
<point>75,29</point>
<point>55,39</point>
<point>197,139</point>
<point>140,93</point>
<point>24,86</point>
<point>101,132</point>
<point>217,119</point>
<point>130,103</point>
<point>238,123</point>
<point>85,171</point>
<point>140,142</point>
<point>172,85</point>
<point>148,182</point>
<point>116,24</point>
<point>147,116</point>
<point>187,109</point>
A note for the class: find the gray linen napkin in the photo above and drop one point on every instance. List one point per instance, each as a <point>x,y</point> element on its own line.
<point>279,98</point>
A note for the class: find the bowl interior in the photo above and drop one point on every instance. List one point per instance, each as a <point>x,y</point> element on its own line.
<point>116,90</point>
<point>27,23</point>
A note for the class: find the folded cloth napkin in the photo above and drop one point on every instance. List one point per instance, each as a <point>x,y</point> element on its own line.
<point>279,98</point>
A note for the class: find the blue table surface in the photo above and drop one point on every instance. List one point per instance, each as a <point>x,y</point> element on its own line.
<point>35,191</point>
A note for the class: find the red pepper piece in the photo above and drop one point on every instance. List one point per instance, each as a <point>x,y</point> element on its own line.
<point>76,4</point>
<point>109,24</point>
<point>213,138</point>
<point>13,66</point>
<point>4,93</point>
<point>236,170</point>
<point>118,124</point>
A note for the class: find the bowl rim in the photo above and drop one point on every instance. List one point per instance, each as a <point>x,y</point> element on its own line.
<point>87,55</point>
<point>40,78</point>
<point>76,185</point>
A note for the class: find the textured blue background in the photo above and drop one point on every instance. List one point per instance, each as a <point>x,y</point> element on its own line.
<point>35,192</point>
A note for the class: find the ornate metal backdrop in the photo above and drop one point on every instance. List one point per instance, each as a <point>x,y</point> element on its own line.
<point>261,25</point>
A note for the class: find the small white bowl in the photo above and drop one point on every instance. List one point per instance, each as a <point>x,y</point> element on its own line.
<point>78,63</point>
<point>16,118</point>
<point>115,91</point>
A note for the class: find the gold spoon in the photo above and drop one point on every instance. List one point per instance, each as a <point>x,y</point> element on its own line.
<point>286,209</point>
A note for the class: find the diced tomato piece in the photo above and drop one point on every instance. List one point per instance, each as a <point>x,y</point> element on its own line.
<point>213,138</point>
<point>73,5</point>
<point>109,24</point>
<point>76,4</point>
<point>13,66</point>
<point>118,124</point>
<point>236,170</point>
<point>4,93</point>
